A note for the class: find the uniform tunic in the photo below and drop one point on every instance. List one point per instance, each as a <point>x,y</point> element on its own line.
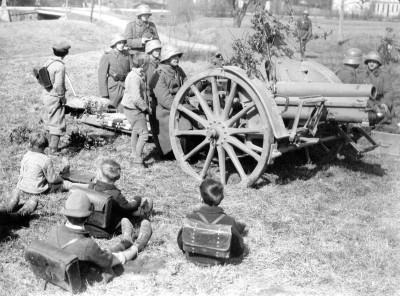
<point>113,68</point>
<point>348,74</point>
<point>165,82</point>
<point>383,84</point>
<point>54,98</point>
<point>137,29</point>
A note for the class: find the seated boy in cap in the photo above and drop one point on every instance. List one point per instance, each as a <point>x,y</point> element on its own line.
<point>74,239</point>
<point>212,193</point>
<point>108,172</point>
<point>37,175</point>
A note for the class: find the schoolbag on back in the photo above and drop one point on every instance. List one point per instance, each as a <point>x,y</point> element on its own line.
<point>54,265</point>
<point>205,238</point>
<point>43,77</point>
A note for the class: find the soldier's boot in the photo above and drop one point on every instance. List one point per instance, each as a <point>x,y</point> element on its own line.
<point>13,202</point>
<point>126,237</point>
<point>29,207</point>
<point>144,235</point>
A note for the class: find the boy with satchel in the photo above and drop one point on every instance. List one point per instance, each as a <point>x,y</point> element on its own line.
<point>209,236</point>
<point>108,173</point>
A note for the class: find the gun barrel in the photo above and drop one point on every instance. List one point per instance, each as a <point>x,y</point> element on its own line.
<point>303,89</point>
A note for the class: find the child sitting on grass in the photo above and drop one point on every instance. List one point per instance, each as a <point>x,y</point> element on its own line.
<point>74,239</point>
<point>108,173</point>
<point>37,175</point>
<point>211,195</point>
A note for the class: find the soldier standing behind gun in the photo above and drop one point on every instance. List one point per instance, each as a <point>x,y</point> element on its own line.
<point>348,72</point>
<point>376,76</point>
<point>115,64</point>
<point>140,30</point>
<point>304,30</point>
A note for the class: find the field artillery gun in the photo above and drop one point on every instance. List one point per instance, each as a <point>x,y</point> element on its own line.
<point>243,124</point>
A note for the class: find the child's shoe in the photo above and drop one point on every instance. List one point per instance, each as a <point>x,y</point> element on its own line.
<point>144,235</point>
<point>66,165</point>
<point>126,237</point>
<point>13,202</point>
<point>145,208</point>
<point>29,207</point>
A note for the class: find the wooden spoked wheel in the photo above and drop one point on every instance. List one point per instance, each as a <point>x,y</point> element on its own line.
<point>232,134</point>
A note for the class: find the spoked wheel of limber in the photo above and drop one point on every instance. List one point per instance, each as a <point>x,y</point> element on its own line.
<point>231,134</point>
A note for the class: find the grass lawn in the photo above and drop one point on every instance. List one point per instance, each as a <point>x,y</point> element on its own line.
<point>329,230</point>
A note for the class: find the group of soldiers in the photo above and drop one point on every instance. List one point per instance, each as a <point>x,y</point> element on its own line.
<point>373,74</point>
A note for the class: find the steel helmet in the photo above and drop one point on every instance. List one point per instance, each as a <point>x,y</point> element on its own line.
<point>168,51</point>
<point>143,9</point>
<point>117,38</point>
<point>373,56</point>
<point>305,12</point>
<point>152,45</point>
<point>353,56</point>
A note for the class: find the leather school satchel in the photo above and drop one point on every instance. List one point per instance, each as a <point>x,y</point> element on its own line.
<point>54,265</point>
<point>102,207</point>
<point>210,239</point>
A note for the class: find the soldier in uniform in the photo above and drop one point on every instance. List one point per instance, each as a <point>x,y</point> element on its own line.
<point>376,76</point>
<point>348,72</point>
<point>54,97</point>
<point>140,30</point>
<point>115,64</point>
<point>304,31</point>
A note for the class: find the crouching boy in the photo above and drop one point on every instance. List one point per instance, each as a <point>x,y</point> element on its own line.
<point>74,239</point>
<point>108,173</point>
<point>198,249</point>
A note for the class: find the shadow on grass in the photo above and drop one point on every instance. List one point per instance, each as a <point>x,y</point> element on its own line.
<point>293,166</point>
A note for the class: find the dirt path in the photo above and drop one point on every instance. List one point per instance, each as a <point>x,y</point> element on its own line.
<point>121,24</point>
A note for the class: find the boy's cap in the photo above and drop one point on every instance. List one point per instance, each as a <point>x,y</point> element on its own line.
<point>62,46</point>
<point>77,205</point>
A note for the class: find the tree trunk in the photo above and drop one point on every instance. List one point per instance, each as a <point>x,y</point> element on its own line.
<point>91,12</point>
<point>341,17</point>
<point>239,13</point>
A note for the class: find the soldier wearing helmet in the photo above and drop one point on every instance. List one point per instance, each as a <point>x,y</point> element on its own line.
<point>352,60</point>
<point>380,79</point>
<point>165,83</point>
<point>304,31</point>
<point>140,30</point>
<point>115,64</point>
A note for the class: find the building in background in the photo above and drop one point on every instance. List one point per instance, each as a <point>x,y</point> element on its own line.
<point>384,8</point>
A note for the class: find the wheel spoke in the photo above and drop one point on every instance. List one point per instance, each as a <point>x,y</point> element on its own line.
<point>235,161</point>
<point>192,115</point>
<point>190,133</point>
<point>202,102</point>
<point>207,163</point>
<point>253,147</point>
<point>244,148</point>
<point>221,161</point>
<point>240,114</point>
<point>229,101</point>
<point>196,149</point>
<point>216,101</point>
<point>245,131</point>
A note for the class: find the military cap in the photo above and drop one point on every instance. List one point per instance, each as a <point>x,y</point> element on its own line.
<point>61,46</point>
